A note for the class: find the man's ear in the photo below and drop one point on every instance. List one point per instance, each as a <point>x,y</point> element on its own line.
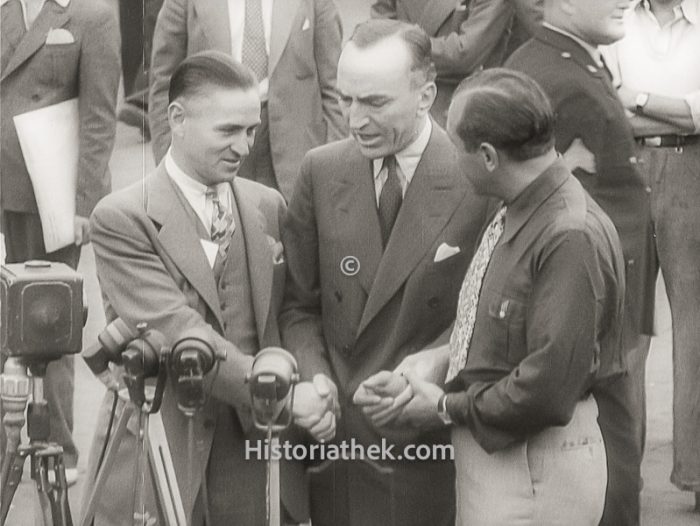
<point>176,117</point>
<point>427,97</point>
<point>489,156</point>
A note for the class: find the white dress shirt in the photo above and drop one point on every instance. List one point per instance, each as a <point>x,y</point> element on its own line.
<point>195,192</point>
<point>406,162</point>
<point>236,15</point>
<point>664,60</point>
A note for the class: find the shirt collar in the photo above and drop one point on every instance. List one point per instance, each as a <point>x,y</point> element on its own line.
<point>184,181</point>
<point>687,9</point>
<point>62,3</point>
<point>530,199</point>
<point>593,51</point>
<point>410,155</point>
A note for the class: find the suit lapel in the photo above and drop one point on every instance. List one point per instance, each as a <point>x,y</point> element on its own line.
<point>259,257</point>
<point>215,23</point>
<point>430,201</point>
<point>178,237</point>
<point>356,201</point>
<point>52,16</point>
<point>283,16</point>
<point>434,14</point>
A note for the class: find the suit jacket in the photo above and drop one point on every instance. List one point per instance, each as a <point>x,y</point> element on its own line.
<point>587,106</point>
<point>465,35</point>
<point>39,74</point>
<point>351,321</point>
<point>152,268</point>
<point>304,49</point>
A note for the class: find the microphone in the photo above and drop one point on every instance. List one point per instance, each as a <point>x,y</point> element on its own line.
<point>110,344</point>
<point>271,382</point>
<point>192,357</point>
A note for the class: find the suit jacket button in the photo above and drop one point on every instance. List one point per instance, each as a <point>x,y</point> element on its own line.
<point>433,302</point>
<point>35,98</point>
<point>346,348</point>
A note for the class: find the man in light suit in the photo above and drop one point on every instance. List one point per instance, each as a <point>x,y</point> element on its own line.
<point>51,52</point>
<point>379,231</point>
<point>193,246</point>
<point>293,48</point>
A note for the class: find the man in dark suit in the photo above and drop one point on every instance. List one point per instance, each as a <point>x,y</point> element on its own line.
<point>379,230</point>
<point>54,51</point>
<point>193,246</point>
<point>595,137</point>
<point>292,46</point>
<point>465,36</point>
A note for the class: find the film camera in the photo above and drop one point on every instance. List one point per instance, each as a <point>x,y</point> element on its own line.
<point>42,310</point>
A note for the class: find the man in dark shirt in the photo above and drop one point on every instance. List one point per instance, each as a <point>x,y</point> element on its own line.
<point>537,326</point>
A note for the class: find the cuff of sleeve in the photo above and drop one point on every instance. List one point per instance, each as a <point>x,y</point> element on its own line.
<point>693,101</point>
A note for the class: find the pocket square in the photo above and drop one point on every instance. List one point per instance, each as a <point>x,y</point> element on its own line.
<point>59,36</point>
<point>445,251</point>
<point>306,25</point>
<point>277,250</point>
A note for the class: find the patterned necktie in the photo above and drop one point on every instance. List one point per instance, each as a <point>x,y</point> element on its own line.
<point>469,295</point>
<point>254,52</point>
<point>222,224</point>
<point>390,199</point>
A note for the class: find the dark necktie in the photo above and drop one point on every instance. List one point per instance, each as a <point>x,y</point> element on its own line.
<point>390,199</point>
<point>254,52</point>
<point>12,30</point>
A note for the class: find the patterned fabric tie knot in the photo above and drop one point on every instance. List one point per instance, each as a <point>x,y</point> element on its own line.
<point>469,295</point>
<point>222,224</point>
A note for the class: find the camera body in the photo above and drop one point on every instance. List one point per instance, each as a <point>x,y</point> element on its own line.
<point>42,310</point>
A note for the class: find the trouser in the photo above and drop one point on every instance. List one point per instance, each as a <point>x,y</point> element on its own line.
<point>556,477</point>
<point>258,165</point>
<point>24,241</point>
<point>673,179</point>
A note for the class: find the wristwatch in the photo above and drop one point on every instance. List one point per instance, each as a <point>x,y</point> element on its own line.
<point>641,101</point>
<point>442,410</point>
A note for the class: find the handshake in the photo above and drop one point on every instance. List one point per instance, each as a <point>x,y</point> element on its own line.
<point>406,396</point>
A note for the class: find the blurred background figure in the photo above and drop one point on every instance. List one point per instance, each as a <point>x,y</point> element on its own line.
<point>53,51</point>
<point>291,46</point>
<point>137,21</point>
<point>657,68</point>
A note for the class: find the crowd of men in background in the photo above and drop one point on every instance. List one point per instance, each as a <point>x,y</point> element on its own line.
<point>467,206</point>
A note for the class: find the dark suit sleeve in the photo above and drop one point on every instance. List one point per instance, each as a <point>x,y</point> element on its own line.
<point>98,85</point>
<point>139,288</point>
<point>579,115</point>
<point>169,49</point>
<point>461,53</point>
<point>564,317</point>
<point>328,37</point>
<point>301,324</point>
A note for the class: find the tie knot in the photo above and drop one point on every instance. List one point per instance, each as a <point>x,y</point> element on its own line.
<point>213,194</point>
<point>390,162</point>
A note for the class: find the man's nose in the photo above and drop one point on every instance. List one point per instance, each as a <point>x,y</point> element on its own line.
<point>357,116</point>
<point>241,144</point>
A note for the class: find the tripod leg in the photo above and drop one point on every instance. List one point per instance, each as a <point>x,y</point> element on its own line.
<point>89,509</point>
<point>15,464</point>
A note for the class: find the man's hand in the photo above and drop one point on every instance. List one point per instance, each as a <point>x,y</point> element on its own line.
<point>82,230</point>
<point>382,396</point>
<point>421,411</point>
<point>316,407</point>
<point>578,156</point>
<point>628,98</point>
<point>430,365</point>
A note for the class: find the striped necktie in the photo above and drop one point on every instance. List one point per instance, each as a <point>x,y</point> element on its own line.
<point>222,224</point>
<point>469,295</point>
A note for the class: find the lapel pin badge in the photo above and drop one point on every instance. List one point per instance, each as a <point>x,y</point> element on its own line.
<point>350,266</point>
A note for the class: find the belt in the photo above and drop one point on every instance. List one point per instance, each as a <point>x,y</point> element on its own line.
<point>668,141</point>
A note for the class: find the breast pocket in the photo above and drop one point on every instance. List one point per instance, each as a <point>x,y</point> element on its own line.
<point>506,321</point>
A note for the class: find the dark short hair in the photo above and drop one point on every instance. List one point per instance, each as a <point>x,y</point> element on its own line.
<point>417,41</point>
<point>209,68</point>
<point>506,109</point>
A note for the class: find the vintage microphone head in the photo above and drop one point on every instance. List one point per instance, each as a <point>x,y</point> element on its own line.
<point>108,348</point>
<point>271,383</point>
<point>193,356</point>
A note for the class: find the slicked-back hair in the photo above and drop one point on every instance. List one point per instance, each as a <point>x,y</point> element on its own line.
<point>209,69</point>
<point>506,109</point>
<point>417,42</point>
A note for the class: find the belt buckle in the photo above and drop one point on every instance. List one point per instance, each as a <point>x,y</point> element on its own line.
<point>653,141</point>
